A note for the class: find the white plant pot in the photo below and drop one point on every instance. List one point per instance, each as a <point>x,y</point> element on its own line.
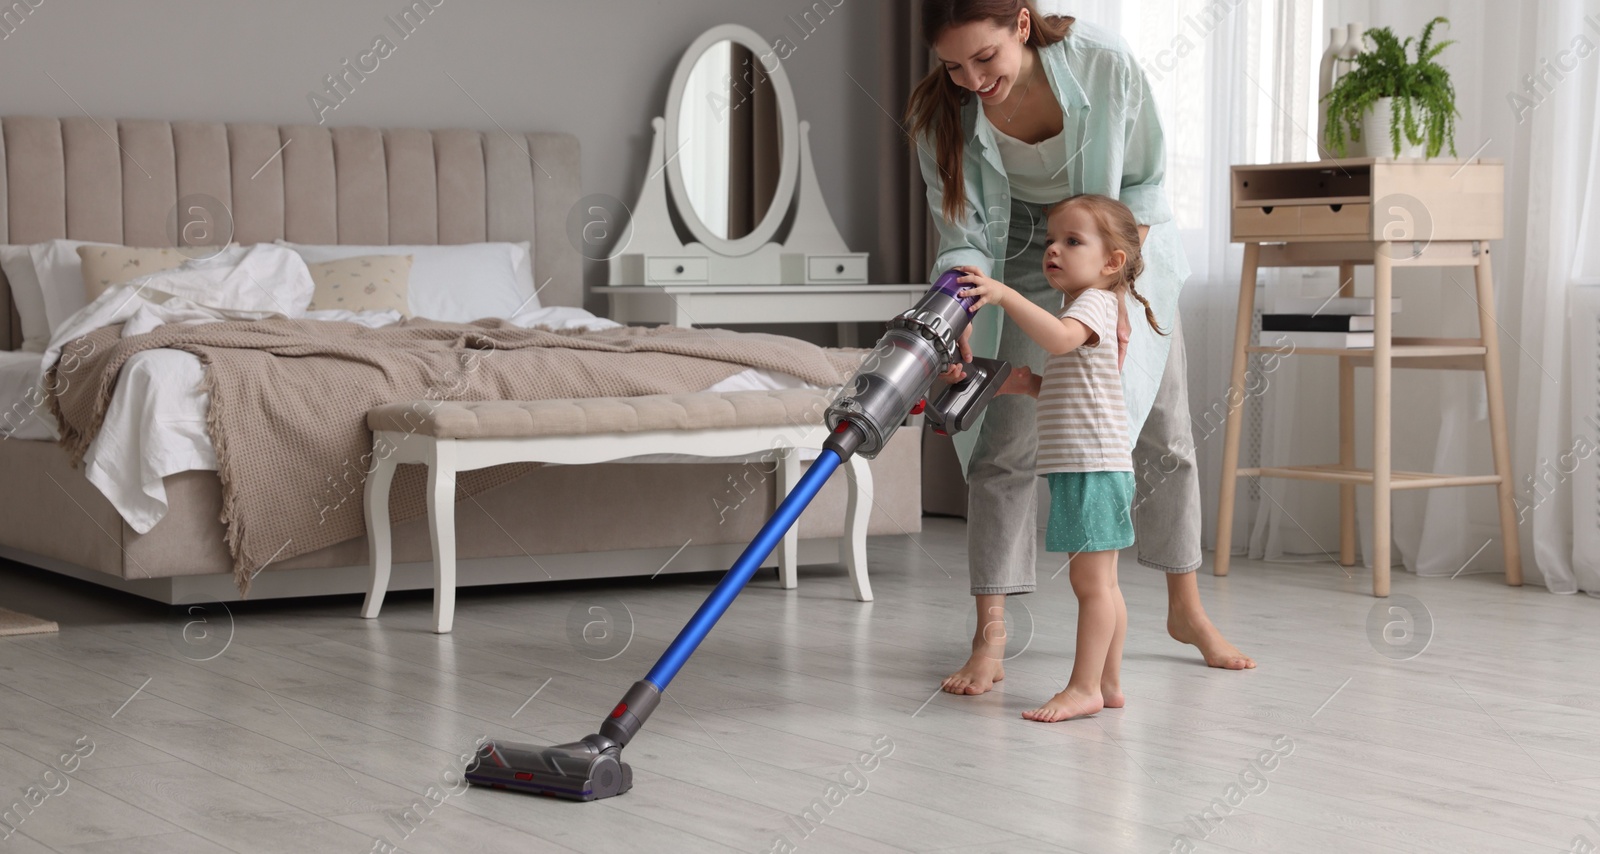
<point>1375,134</point>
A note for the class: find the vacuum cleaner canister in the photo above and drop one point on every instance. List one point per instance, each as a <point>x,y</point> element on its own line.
<point>580,771</point>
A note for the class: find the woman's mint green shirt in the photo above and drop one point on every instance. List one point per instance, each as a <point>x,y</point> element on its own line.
<point>1112,144</point>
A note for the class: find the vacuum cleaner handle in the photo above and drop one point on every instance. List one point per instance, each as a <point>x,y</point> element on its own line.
<point>957,406</point>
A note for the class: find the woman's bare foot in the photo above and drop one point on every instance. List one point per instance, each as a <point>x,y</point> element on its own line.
<point>1199,632</point>
<point>1111,694</point>
<point>1068,704</point>
<point>980,672</point>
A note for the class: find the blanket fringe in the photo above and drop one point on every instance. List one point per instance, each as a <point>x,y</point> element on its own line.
<point>232,520</point>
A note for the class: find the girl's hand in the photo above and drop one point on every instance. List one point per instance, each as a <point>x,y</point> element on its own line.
<point>1021,381</point>
<point>987,290</point>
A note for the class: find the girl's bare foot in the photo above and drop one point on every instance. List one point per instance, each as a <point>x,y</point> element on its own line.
<point>980,672</point>
<point>1111,694</point>
<point>1199,632</point>
<point>1068,704</point>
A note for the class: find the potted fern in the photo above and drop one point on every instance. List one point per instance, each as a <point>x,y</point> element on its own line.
<point>1388,104</point>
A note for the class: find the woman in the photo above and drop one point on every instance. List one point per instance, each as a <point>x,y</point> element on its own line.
<point>1023,111</point>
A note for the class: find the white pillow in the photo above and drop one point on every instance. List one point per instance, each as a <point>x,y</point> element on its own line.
<point>60,272</point>
<point>458,282</point>
<point>29,299</point>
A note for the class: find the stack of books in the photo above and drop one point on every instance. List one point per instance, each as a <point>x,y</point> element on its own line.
<point>1340,323</point>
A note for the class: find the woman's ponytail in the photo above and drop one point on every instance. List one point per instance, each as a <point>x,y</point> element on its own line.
<point>935,111</point>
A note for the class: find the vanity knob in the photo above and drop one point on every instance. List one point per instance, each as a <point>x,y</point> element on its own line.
<point>678,269</point>
<point>839,269</point>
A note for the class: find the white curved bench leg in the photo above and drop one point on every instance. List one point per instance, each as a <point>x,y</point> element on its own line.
<point>379,536</point>
<point>858,509</point>
<point>789,549</point>
<point>442,525</point>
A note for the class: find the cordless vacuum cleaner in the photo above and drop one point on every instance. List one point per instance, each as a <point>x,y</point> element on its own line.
<point>892,383</point>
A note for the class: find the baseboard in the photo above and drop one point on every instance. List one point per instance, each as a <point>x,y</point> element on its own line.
<point>290,583</point>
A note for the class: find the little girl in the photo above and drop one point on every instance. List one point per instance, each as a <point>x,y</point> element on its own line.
<point>1092,257</point>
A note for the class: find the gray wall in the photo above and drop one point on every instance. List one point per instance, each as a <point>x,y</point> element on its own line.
<point>595,68</point>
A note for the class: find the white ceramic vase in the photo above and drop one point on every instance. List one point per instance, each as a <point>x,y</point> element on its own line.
<point>1375,140</point>
<point>1325,78</point>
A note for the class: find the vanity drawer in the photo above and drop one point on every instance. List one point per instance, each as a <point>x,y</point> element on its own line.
<point>836,268</point>
<point>660,270</point>
<point>1266,222</point>
<point>1351,220</point>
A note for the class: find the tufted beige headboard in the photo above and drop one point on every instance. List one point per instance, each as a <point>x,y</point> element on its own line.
<point>119,181</point>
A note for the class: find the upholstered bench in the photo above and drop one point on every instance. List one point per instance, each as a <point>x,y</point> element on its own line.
<point>450,437</point>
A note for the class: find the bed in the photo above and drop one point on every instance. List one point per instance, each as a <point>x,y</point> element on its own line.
<point>120,182</point>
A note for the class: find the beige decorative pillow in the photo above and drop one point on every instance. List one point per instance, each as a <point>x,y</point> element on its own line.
<point>363,283</point>
<point>107,266</point>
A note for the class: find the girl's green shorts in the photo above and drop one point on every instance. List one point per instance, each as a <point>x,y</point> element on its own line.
<point>1090,511</point>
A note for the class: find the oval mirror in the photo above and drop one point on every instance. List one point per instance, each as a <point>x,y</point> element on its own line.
<point>732,152</point>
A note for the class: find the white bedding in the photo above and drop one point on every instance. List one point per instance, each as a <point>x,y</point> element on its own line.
<point>155,425</point>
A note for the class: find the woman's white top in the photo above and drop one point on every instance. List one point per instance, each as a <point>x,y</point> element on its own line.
<point>1037,171</point>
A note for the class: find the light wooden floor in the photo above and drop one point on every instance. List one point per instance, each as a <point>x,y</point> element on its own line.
<point>313,725</point>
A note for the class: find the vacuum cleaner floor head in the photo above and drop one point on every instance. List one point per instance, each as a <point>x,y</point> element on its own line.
<point>574,771</point>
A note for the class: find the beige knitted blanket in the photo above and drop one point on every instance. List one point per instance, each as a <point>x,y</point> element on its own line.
<point>288,402</point>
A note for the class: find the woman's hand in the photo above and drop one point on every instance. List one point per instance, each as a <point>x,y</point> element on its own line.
<point>954,373</point>
<point>987,290</point>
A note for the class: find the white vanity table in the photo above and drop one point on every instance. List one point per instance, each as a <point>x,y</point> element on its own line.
<point>719,305</point>
<point>730,226</point>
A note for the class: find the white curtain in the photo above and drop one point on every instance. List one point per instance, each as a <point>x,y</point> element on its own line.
<point>1551,177</point>
<point>1236,84</point>
<point>1554,415</point>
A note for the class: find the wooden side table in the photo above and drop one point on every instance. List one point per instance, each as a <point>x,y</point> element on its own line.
<point>1388,213</point>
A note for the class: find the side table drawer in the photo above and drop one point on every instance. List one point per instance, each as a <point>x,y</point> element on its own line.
<point>1266,222</point>
<point>1352,220</point>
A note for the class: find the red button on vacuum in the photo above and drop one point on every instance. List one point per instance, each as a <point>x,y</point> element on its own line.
<point>525,775</point>
<point>921,405</point>
<point>617,712</point>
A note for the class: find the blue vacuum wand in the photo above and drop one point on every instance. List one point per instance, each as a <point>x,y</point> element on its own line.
<point>893,382</point>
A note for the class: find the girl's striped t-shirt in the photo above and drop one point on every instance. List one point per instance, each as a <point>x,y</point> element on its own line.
<point>1082,420</point>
